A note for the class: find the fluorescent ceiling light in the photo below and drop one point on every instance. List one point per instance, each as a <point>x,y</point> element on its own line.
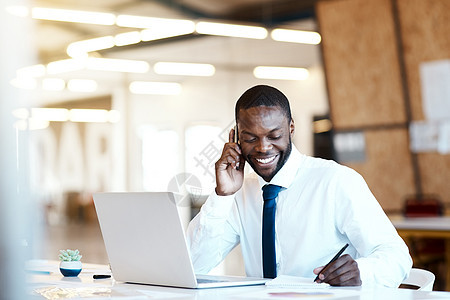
<point>282,73</point>
<point>243,31</point>
<point>81,48</point>
<point>89,115</point>
<point>117,65</point>
<point>65,65</point>
<point>155,88</point>
<point>53,84</point>
<point>31,71</point>
<point>31,124</point>
<point>76,16</point>
<point>21,113</point>
<point>50,114</point>
<point>82,85</point>
<point>296,36</point>
<point>190,69</point>
<point>25,83</point>
<point>127,38</point>
<point>18,10</point>
<point>150,22</point>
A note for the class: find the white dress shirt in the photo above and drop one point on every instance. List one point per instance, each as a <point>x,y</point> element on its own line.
<point>322,206</point>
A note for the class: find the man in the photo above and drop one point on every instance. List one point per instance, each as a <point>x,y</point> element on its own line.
<point>320,207</point>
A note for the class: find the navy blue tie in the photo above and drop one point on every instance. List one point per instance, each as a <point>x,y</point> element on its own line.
<point>270,192</point>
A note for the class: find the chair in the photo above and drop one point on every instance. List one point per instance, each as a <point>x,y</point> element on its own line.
<point>427,252</point>
<point>420,278</point>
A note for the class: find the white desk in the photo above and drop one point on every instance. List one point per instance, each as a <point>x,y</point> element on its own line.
<point>85,286</point>
<point>431,227</point>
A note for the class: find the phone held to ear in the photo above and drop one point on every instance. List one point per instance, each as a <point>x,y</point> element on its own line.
<point>236,139</point>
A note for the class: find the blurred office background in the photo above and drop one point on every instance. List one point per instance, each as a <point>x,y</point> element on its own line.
<point>102,106</point>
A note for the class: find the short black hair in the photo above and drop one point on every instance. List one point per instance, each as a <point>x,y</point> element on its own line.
<point>263,95</point>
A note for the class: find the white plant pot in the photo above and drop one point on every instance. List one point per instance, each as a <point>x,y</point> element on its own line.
<point>70,268</point>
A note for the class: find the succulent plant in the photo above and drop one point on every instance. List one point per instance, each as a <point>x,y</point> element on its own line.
<point>69,255</point>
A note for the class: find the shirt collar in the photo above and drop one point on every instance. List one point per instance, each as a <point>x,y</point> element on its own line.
<point>286,174</point>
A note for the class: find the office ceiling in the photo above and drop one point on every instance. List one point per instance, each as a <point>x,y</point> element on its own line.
<point>52,37</point>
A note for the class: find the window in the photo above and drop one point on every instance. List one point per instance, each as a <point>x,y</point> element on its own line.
<point>160,158</point>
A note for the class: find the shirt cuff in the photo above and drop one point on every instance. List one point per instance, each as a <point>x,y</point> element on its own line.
<point>365,272</point>
<point>218,206</point>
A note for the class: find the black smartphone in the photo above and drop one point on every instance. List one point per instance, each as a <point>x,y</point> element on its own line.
<point>236,138</point>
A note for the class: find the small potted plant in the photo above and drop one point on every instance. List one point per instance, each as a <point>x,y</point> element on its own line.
<point>70,262</point>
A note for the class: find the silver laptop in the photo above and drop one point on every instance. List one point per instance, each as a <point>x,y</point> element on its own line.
<point>145,242</point>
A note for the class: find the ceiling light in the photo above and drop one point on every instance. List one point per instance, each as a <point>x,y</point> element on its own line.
<point>127,38</point>
<point>190,69</point>
<point>53,84</point>
<point>81,48</point>
<point>296,36</point>
<point>25,83</point>
<point>50,114</point>
<point>37,124</point>
<point>117,65</point>
<point>243,31</point>
<point>82,85</point>
<point>76,16</point>
<point>155,88</point>
<point>21,113</point>
<point>150,22</point>
<point>31,71</point>
<point>89,115</point>
<point>283,73</point>
<point>65,65</point>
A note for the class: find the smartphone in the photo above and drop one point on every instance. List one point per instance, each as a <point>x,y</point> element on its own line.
<point>236,138</point>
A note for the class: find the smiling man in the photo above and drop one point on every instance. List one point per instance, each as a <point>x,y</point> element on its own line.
<point>295,212</point>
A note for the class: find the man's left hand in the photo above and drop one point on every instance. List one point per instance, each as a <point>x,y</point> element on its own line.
<point>343,272</point>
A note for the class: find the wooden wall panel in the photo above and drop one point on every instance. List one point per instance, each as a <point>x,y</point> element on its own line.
<point>435,173</point>
<point>361,61</point>
<point>387,169</point>
<point>364,66</point>
<point>425,30</point>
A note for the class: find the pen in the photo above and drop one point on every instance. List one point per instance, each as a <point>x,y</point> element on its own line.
<point>332,260</point>
<point>101,276</point>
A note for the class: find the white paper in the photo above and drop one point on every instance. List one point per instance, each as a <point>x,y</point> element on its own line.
<point>435,87</point>
<point>423,136</point>
<point>443,144</point>
<point>293,281</point>
<point>428,136</point>
<point>286,293</point>
<point>161,295</point>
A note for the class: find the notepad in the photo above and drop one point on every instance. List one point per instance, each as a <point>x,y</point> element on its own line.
<point>294,281</point>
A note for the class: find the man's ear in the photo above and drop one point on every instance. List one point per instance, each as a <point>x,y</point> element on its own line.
<point>291,128</point>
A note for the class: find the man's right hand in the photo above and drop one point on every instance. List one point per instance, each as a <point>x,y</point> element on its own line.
<point>230,168</point>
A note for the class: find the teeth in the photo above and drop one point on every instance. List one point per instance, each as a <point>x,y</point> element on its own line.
<point>265,160</point>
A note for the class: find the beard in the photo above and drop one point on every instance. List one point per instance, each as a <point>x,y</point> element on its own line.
<point>284,155</point>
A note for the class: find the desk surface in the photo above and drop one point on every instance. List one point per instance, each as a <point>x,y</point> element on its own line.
<point>431,223</point>
<point>49,286</point>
